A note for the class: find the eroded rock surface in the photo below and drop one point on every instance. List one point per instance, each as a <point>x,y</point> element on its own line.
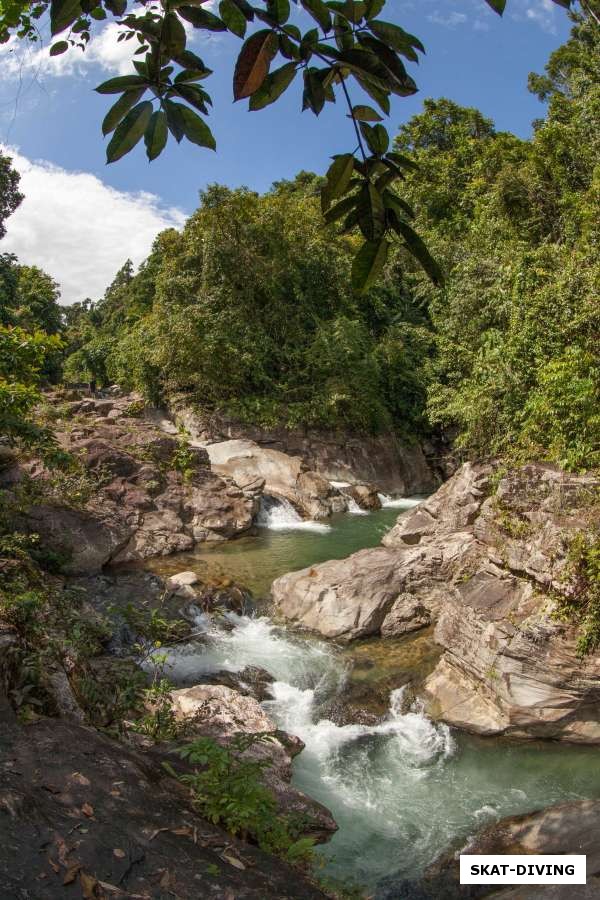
<point>570,828</point>
<point>483,557</point>
<point>82,815</point>
<point>155,495</point>
<point>278,475</point>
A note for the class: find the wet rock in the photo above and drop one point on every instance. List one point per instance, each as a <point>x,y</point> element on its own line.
<point>219,712</point>
<point>280,475</point>
<point>365,495</point>
<point>571,828</point>
<point>251,681</point>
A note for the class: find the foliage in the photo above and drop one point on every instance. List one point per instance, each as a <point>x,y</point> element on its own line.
<point>22,356</point>
<point>227,789</point>
<point>10,196</point>
<point>580,602</point>
<point>351,48</point>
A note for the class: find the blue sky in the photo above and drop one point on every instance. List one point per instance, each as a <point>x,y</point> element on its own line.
<point>50,117</point>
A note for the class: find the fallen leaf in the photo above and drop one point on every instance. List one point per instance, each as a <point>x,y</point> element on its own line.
<point>165,881</point>
<point>54,865</point>
<point>88,885</point>
<point>120,854</point>
<point>71,874</point>
<point>233,861</point>
<point>157,831</point>
<point>115,793</point>
<point>80,779</point>
<point>87,810</point>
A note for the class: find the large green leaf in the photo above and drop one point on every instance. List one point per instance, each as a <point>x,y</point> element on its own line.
<point>120,84</point>
<point>497,5</point>
<point>418,249</point>
<point>273,86</point>
<point>366,114</point>
<point>173,35</point>
<point>338,178</point>
<point>196,129</point>
<point>233,17</point>
<point>174,119</point>
<point>194,95</point>
<point>368,263</point>
<point>341,209</point>
<point>376,137</point>
<point>253,63</point>
<point>120,108</point>
<point>279,10</point>
<point>313,96</point>
<point>155,136</point>
<point>319,12</point>
<point>63,13</point>
<point>58,48</point>
<point>397,38</point>
<point>201,18</point>
<point>129,131</point>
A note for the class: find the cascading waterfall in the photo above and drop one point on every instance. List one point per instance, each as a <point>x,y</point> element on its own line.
<point>399,502</point>
<point>401,790</point>
<point>278,514</point>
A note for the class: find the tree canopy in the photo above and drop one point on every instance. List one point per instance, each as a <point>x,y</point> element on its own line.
<point>251,308</point>
<point>348,52</point>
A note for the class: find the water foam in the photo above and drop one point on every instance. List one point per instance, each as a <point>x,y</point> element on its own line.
<point>399,502</point>
<point>279,515</point>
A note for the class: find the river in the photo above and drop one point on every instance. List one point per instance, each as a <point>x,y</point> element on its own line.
<point>401,790</point>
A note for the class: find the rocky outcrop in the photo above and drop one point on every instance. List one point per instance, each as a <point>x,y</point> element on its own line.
<point>148,493</point>
<point>395,467</point>
<point>278,475</point>
<point>83,815</point>
<point>484,557</point>
<point>217,711</point>
<point>571,828</point>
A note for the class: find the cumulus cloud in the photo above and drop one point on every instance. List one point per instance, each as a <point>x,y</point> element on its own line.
<point>104,50</point>
<point>448,20</point>
<point>542,13</point>
<point>67,222</point>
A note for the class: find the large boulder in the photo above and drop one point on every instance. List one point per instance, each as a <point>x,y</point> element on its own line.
<point>220,712</point>
<point>149,494</point>
<point>486,557</point>
<point>281,476</point>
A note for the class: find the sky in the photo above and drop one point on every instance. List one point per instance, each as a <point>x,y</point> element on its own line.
<point>82,219</point>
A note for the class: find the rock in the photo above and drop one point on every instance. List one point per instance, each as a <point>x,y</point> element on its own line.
<point>142,505</point>
<point>366,495</point>
<point>482,556</point>
<point>182,579</point>
<point>571,828</point>
<point>219,712</point>
<point>406,614</point>
<point>251,681</point>
<point>334,455</point>
<point>52,769</point>
<point>280,475</point>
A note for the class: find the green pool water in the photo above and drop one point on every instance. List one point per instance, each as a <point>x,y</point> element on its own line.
<point>257,561</point>
<point>402,790</point>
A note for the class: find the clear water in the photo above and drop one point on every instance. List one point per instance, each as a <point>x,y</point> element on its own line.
<point>405,789</point>
<point>402,790</point>
<point>257,561</point>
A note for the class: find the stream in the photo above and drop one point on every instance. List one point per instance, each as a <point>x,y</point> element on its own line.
<point>404,789</point>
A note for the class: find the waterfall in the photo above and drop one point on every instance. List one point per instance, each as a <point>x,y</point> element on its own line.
<point>399,502</point>
<point>278,514</point>
<point>354,509</point>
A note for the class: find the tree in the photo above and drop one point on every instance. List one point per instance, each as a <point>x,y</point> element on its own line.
<point>10,196</point>
<point>350,48</point>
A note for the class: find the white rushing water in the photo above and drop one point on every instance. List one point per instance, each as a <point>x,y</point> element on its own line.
<point>279,515</point>
<point>402,790</point>
<point>399,502</point>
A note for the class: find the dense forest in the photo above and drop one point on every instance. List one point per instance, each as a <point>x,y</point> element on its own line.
<point>250,308</point>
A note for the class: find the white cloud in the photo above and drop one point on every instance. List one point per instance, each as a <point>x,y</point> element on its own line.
<point>448,20</point>
<point>542,13</point>
<point>79,229</point>
<point>104,50</point>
